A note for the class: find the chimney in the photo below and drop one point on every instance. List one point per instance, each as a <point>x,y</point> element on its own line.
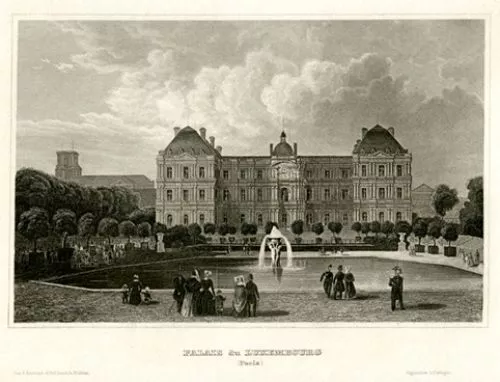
<point>219,149</point>
<point>176,130</point>
<point>271,149</point>
<point>203,133</point>
<point>364,130</point>
<point>295,148</point>
<point>391,130</point>
<point>212,141</point>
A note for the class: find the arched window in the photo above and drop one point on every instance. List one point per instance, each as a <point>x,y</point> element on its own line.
<point>398,216</point>
<point>186,220</point>
<point>381,217</point>
<point>284,219</point>
<point>308,193</point>
<point>242,218</point>
<point>364,216</point>
<point>309,219</point>
<point>284,194</point>
<point>202,219</point>
<point>259,219</point>
<point>169,220</point>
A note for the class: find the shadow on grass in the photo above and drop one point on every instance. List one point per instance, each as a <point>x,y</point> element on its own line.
<point>366,297</point>
<point>260,313</point>
<point>426,306</point>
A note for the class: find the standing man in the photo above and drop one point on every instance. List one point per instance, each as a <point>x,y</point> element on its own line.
<point>338,283</point>
<point>327,276</point>
<point>252,296</point>
<point>396,284</point>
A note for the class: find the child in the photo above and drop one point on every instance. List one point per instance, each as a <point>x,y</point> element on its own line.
<point>219,303</point>
<point>396,284</point>
<point>147,295</point>
<point>125,293</point>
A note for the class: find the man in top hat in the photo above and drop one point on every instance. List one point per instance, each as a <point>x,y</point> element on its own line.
<point>327,278</point>
<point>252,296</point>
<point>396,284</point>
<point>338,283</point>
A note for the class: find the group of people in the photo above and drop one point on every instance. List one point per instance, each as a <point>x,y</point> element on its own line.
<point>471,259</point>
<point>197,297</point>
<point>339,283</point>
<point>135,294</point>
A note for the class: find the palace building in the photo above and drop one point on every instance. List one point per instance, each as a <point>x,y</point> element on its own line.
<point>196,183</point>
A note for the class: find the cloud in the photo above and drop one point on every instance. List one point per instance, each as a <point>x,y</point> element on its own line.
<point>64,67</point>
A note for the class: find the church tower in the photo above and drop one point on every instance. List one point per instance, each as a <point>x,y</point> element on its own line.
<point>67,167</point>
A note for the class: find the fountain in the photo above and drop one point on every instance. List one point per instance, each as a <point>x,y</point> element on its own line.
<point>273,242</point>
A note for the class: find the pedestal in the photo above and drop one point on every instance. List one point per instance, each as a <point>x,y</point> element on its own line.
<point>160,246</point>
<point>401,244</point>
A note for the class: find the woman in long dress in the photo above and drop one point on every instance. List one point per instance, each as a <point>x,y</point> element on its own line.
<point>240,297</point>
<point>207,295</point>
<point>350,289</point>
<point>192,287</point>
<point>179,291</point>
<point>135,291</point>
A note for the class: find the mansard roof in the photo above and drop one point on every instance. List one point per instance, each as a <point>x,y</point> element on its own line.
<point>378,139</point>
<point>190,142</point>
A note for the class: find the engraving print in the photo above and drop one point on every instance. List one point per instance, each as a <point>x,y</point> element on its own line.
<point>249,171</point>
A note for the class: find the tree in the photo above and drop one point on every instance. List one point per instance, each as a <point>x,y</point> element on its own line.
<point>194,230</point>
<point>450,232</point>
<point>34,224</point>
<point>159,228</point>
<point>317,228</point>
<point>375,227</point>
<point>127,229</point>
<point>86,226</point>
<point>144,230</point>
<point>403,226</point>
<point>434,230</point>
<point>420,229</point>
<point>223,229</point>
<point>253,229</point>
<point>335,228</point>
<point>356,227</point>
<point>471,216</point>
<point>209,228</point>
<point>387,228</point>
<point>232,230</point>
<point>269,227</point>
<point>365,228</point>
<point>298,227</point>
<point>64,224</point>
<point>108,227</point>
<point>245,228</point>
<point>444,199</point>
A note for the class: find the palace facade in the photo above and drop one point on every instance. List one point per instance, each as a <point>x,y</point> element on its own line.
<point>196,183</point>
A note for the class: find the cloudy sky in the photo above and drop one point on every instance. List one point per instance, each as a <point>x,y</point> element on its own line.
<point>117,89</point>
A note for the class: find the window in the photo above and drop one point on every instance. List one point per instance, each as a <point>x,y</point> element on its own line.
<point>327,194</point>
<point>363,170</point>
<point>399,170</point>
<point>309,219</point>
<point>327,173</point>
<point>344,193</point>
<point>225,195</point>
<point>201,195</point>
<point>225,174</point>
<point>327,219</point>
<point>169,195</point>
<point>381,170</point>
<point>308,193</point>
<point>284,219</point>
<point>345,173</point>
<point>259,174</point>
<point>243,174</point>
<point>364,217</point>
<point>169,220</point>
<point>243,195</point>
<point>284,194</point>
<point>186,220</point>
<point>363,193</point>
<point>345,219</point>
<point>381,193</point>
<point>202,219</point>
<point>224,219</point>
<point>169,172</point>
<point>185,172</point>
<point>201,172</point>
<point>185,195</point>
<point>398,216</point>
<point>399,193</point>
<point>381,217</point>
<point>259,220</point>
<point>242,218</point>
<point>309,174</point>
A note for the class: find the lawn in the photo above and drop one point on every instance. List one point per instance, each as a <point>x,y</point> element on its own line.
<point>43,303</point>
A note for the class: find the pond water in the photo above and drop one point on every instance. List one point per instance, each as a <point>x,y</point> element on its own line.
<point>370,273</point>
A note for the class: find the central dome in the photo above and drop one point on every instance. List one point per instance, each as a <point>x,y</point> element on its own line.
<point>283,149</point>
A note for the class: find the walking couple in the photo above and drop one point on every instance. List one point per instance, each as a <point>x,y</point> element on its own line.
<point>339,283</point>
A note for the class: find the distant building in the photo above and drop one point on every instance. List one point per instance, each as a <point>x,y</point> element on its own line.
<point>421,198</point>
<point>68,169</point>
<point>196,183</point>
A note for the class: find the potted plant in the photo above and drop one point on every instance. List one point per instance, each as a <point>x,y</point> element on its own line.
<point>298,229</point>
<point>434,231</point>
<point>450,233</point>
<point>318,229</point>
<point>335,228</point>
<point>356,227</point>
<point>232,231</point>
<point>223,231</point>
<point>365,230</point>
<point>420,230</point>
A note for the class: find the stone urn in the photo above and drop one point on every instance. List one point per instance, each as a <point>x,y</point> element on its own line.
<point>401,244</point>
<point>160,246</point>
